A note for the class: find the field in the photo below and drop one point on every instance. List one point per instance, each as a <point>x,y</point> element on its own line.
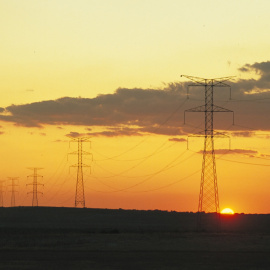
<point>68,238</point>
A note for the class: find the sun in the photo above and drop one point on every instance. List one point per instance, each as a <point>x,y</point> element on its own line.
<point>227,211</point>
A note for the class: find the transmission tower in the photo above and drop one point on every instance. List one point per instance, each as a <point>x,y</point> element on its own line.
<point>1,194</point>
<point>35,185</point>
<point>79,196</point>
<point>13,191</point>
<point>208,198</point>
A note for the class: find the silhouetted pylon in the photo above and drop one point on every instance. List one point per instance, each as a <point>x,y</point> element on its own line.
<point>79,195</point>
<point>13,191</point>
<point>35,185</point>
<point>209,199</point>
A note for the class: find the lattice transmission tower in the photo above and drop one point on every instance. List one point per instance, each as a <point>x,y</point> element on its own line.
<point>13,191</point>
<point>79,195</point>
<point>1,194</point>
<point>208,198</point>
<point>35,185</point>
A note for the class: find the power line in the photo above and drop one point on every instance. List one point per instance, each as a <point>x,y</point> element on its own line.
<point>167,167</point>
<point>155,129</point>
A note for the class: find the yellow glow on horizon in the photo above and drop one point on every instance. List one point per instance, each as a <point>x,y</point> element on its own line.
<point>227,211</point>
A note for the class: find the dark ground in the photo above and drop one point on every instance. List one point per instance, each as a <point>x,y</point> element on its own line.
<point>68,238</point>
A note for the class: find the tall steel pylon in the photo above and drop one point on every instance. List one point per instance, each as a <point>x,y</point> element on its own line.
<point>79,195</point>
<point>1,194</point>
<point>35,185</point>
<point>208,198</point>
<point>13,191</point>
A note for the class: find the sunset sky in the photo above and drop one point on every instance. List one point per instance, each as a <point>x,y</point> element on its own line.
<point>110,70</point>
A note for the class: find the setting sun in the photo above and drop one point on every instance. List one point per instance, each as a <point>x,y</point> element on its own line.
<point>227,211</point>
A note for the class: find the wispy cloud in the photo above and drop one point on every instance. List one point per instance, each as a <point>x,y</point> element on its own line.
<point>245,152</point>
<point>243,133</point>
<point>177,140</point>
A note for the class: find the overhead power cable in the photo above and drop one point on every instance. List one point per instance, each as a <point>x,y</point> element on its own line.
<point>155,129</point>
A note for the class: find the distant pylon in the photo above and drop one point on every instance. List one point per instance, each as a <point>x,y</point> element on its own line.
<point>1,194</point>
<point>79,195</point>
<point>13,191</point>
<point>208,198</point>
<point>35,185</point>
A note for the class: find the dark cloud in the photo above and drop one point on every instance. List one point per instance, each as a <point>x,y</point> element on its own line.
<point>109,132</point>
<point>57,141</point>
<point>146,109</point>
<point>177,140</point>
<point>262,68</point>
<point>156,111</point>
<point>73,134</point>
<point>113,132</point>
<point>260,85</point>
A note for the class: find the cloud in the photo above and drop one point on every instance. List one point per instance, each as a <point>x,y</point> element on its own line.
<point>74,134</point>
<point>146,109</point>
<point>243,133</point>
<point>252,86</point>
<point>57,141</point>
<point>109,132</point>
<point>135,112</point>
<point>245,152</point>
<point>177,140</point>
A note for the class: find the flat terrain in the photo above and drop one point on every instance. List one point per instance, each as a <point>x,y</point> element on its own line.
<point>68,238</point>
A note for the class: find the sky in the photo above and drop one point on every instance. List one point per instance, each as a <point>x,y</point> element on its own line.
<point>110,71</point>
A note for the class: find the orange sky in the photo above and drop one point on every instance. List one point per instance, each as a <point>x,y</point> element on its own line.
<point>111,71</point>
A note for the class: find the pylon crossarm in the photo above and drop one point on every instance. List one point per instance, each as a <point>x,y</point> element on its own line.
<point>221,134</point>
<point>40,184</point>
<point>220,109</point>
<point>197,109</point>
<point>224,79</point>
<point>73,153</point>
<point>199,134</point>
<point>198,80</point>
<point>85,165</point>
<point>86,153</point>
<point>204,82</point>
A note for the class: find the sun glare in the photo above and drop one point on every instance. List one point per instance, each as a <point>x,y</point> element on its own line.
<point>227,211</point>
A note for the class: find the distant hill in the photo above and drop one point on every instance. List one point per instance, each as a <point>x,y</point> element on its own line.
<point>110,220</point>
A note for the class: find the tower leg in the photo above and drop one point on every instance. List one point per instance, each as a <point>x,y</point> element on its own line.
<point>79,197</point>
<point>208,198</point>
